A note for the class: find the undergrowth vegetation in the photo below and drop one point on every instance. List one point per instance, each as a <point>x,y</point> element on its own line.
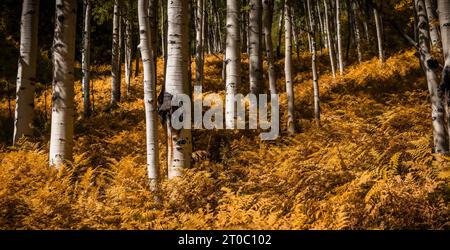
<point>369,165</point>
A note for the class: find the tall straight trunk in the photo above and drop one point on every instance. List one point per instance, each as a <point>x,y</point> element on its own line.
<point>255,59</point>
<point>233,60</point>
<point>85,58</point>
<point>444,21</point>
<point>280,28</point>
<point>322,34</point>
<point>295,35</point>
<point>115,67</point>
<point>378,26</point>
<point>339,39</point>
<point>153,19</point>
<point>330,39</point>
<point>312,27</point>
<point>430,66</point>
<point>120,54</point>
<point>244,22</point>
<point>288,67</point>
<point>365,17</point>
<point>267,21</point>
<point>149,94</point>
<point>199,44</point>
<point>357,32</point>
<point>26,73</point>
<point>128,46</point>
<point>434,24</point>
<point>179,141</point>
<point>61,138</point>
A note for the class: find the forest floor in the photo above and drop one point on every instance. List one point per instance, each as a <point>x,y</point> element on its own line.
<point>368,166</point>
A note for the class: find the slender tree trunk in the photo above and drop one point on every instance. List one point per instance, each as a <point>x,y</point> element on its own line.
<point>357,32</point>
<point>280,28</point>
<point>179,141</point>
<point>128,46</point>
<point>85,60</point>
<point>295,35</point>
<point>149,93</point>
<point>288,67</point>
<point>366,16</point>
<point>26,73</point>
<point>244,23</point>
<point>115,67</point>
<point>339,39</point>
<point>61,138</point>
<point>322,35</point>
<point>379,28</point>
<point>444,20</point>
<point>233,60</point>
<point>330,40</point>
<point>430,66</point>
<point>267,20</point>
<point>199,44</point>
<point>255,60</point>
<point>313,64</point>
<point>434,24</point>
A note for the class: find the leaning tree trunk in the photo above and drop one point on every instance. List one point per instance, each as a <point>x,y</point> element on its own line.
<point>255,58</point>
<point>330,40</point>
<point>61,138</point>
<point>267,20</point>
<point>199,44</point>
<point>313,64</point>
<point>379,28</point>
<point>434,24</point>
<point>288,67</point>
<point>128,47</point>
<point>86,58</point>
<point>26,73</point>
<point>339,39</point>
<point>233,60</point>
<point>179,141</point>
<point>430,66</point>
<point>115,66</point>
<point>149,94</point>
<point>444,20</point>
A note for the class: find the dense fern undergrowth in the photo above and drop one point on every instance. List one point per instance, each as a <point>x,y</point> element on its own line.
<point>369,165</point>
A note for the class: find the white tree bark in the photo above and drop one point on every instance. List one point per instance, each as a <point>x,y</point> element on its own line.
<point>313,64</point>
<point>330,40</point>
<point>288,67</point>
<point>115,66</point>
<point>232,60</point>
<point>179,141</point>
<point>26,73</point>
<point>128,47</point>
<point>430,66</point>
<point>434,24</point>
<point>61,138</point>
<point>379,27</point>
<point>199,44</point>
<point>444,21</point>
<point>267,20</point>
<point>149,95</point>
<point>86,58</point>
<point>339,39</point>
<point>255,46</point>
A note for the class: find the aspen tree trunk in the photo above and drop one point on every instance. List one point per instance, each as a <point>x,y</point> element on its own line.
<point>322,34</point>
<point>313,64</point>
<point>179,141</point>
<point>339,39</point>
<point>233,60</point>
<point>288,67</point>
<point>330,40</point>
<point>61,138</point>
<point>434,24</point>
<point>199,44</point>
<point>153,19</point>
<point>26,73</point>
<point>444,20</point>
<point>280,28</point>
<point>379,28</point>
<point>267,19</point>
<point>365,25</point>
<point>86,58</point>
<point>430,66</point>
<point>357,32</point>
<point>149,94</point>
<point>255,58</point>
<point>120,54</point>
<point>128,45</point>
<point>295,35</point>
<point>244,23</point>
<point>115,67</point>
